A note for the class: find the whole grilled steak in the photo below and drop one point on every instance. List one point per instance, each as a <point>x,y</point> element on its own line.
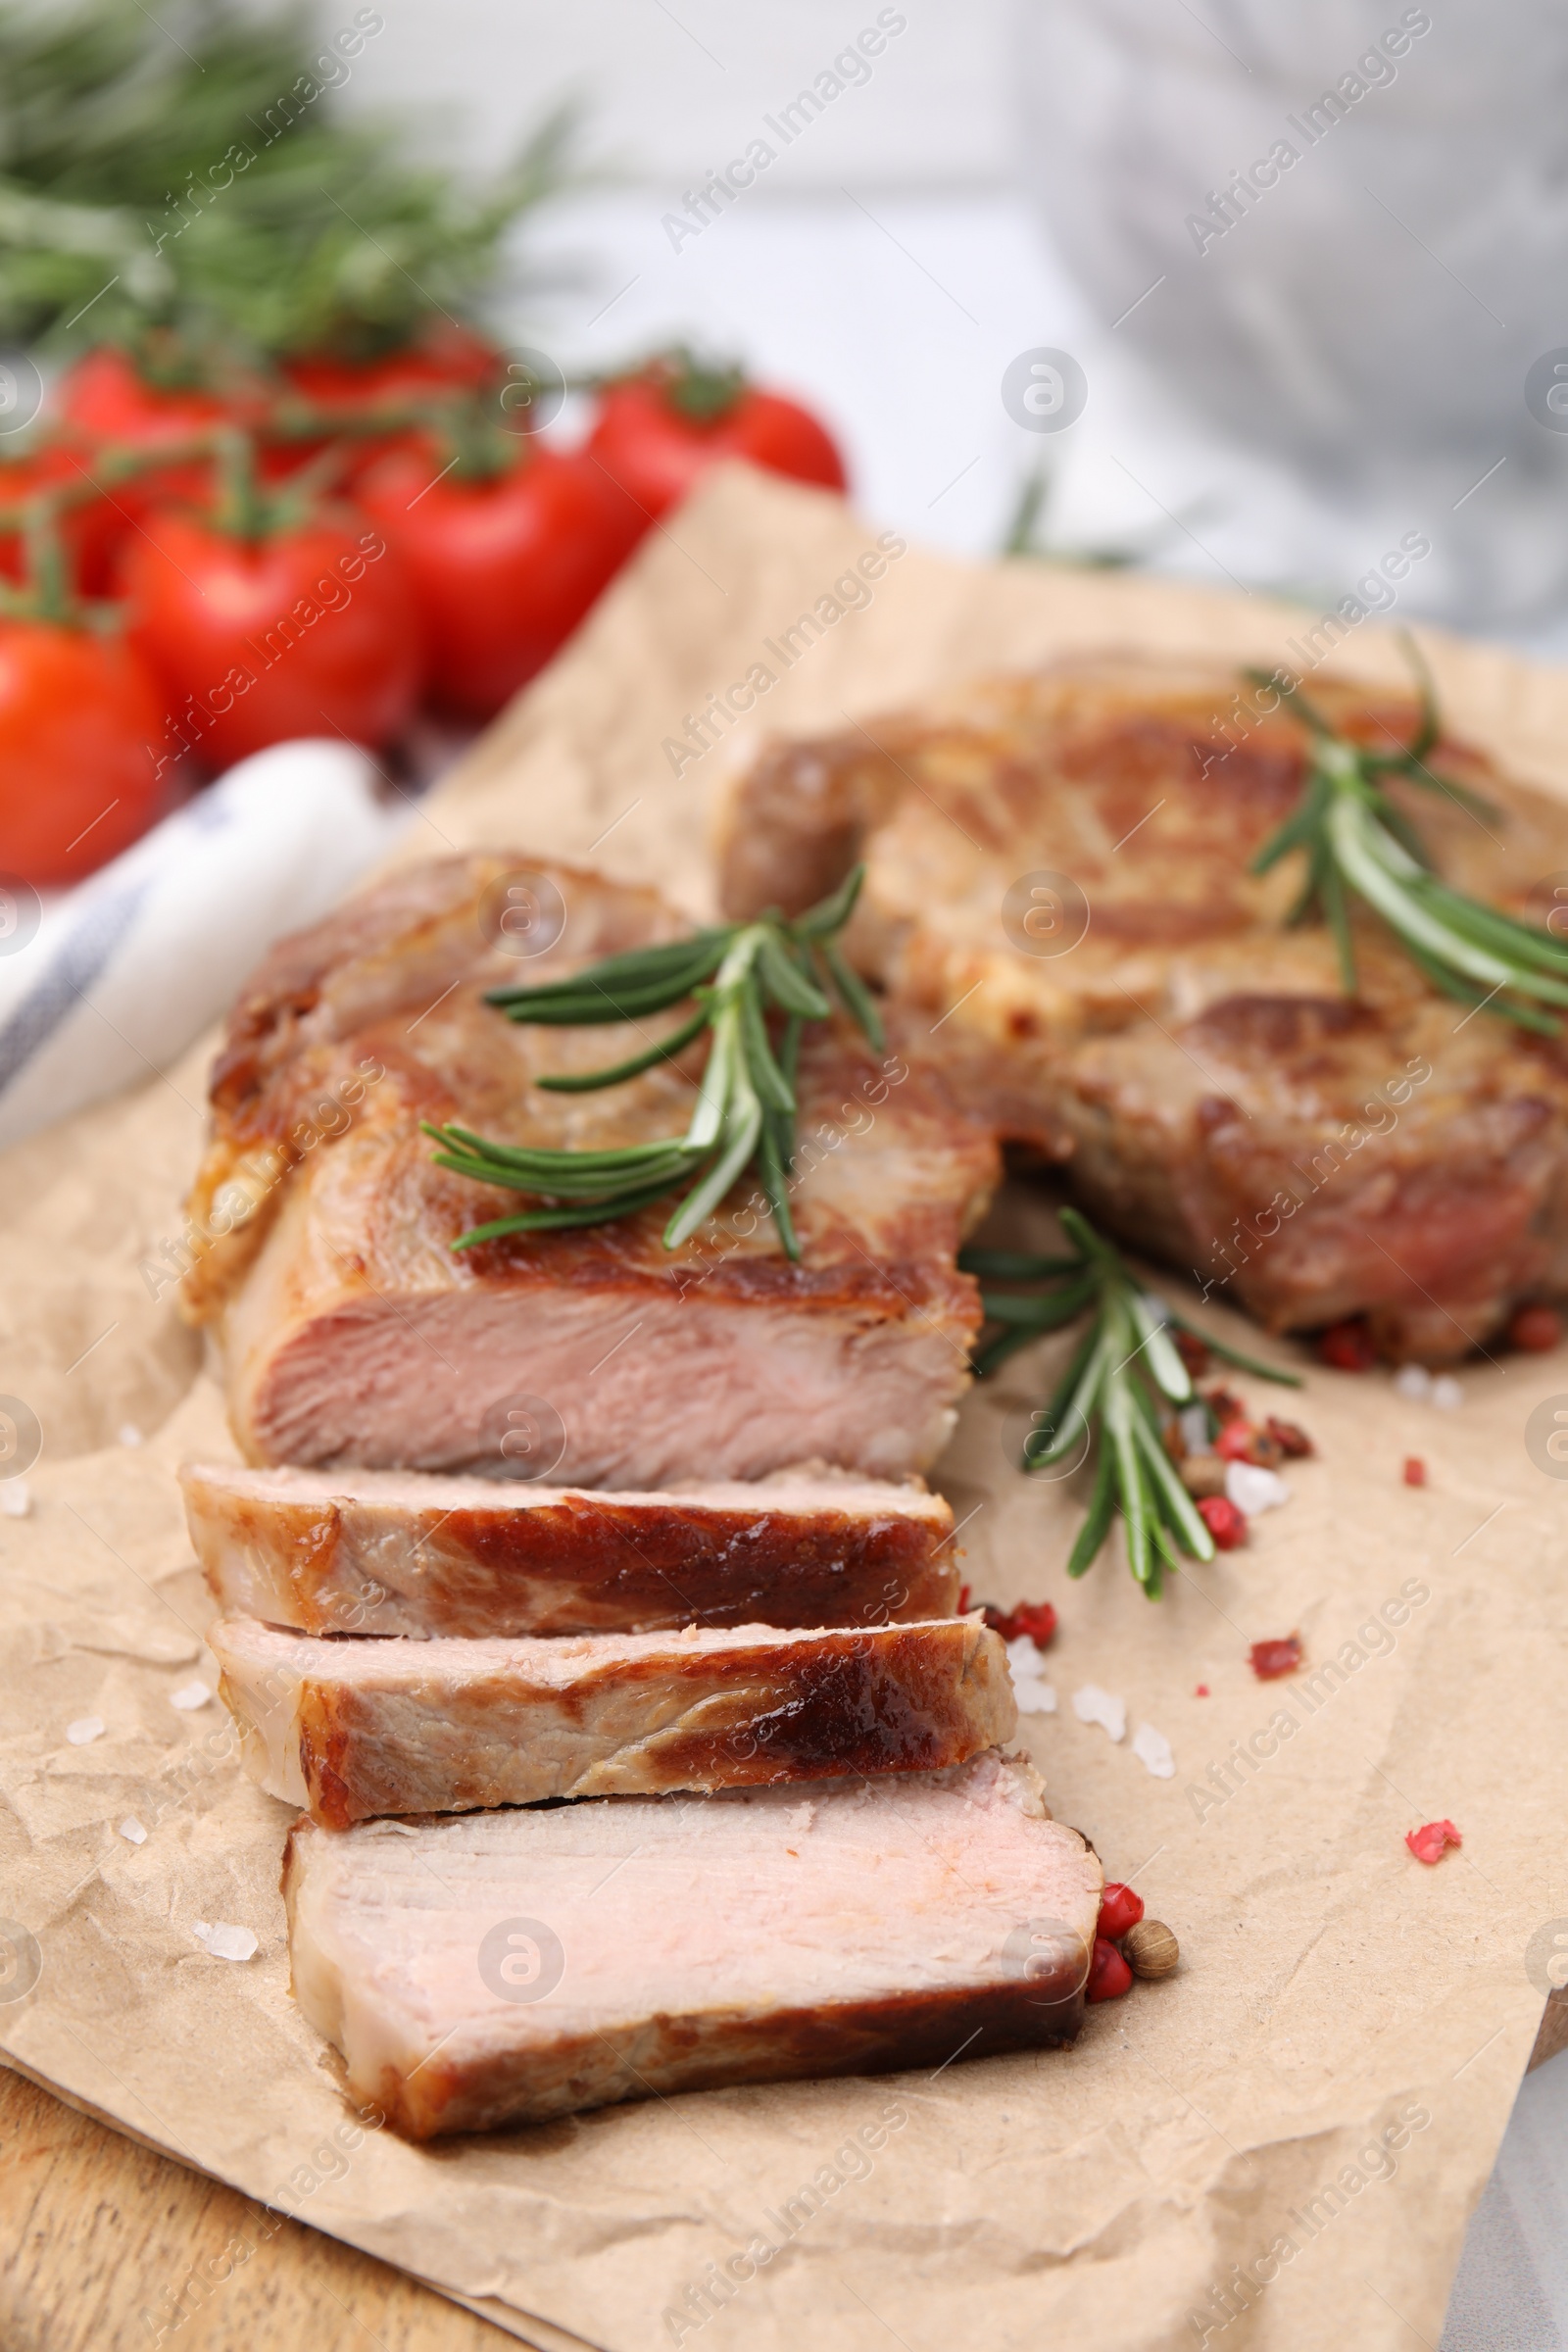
<point>1060,899</point>
<point>352,1333</point>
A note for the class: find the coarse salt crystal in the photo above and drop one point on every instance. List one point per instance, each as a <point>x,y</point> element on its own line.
<point>127,1434</point>
<point>1413,1381</point>
<point>1193,1422</point>
<point>1253,1490</point>
<point>132,1830</point>
<point>1446,1393</point>
<point>16,1499</point>
<point>189,1695</point>
<point>224,1939</point>
<point>1034,1697</point>
<point>85,1727</point>
<point>1026,1657</point>
<point>1090,1705</point>
<point>1153,1748</point>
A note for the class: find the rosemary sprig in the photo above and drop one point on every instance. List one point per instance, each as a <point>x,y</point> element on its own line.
<point>1355,840</point>
<point>1123,1370</point>
<point>736,974</point>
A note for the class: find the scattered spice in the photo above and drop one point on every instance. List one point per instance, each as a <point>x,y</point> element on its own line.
<point>1271,1659</point>
<point>1236,1441</point>
<point>1109,1976</point>
<point>1290,1439</point>
<point>1192,1352</point>
<point>1201,1691</point>
<point>1120,1908</point>
<point>1224,1522</point>
<point>1204,1473</point>
<point>1036,1619</point>
<point>1429,1843</point>
<point>1347,1347</point>
<point>1151,1951</point>
<point>1535,1329</point>
<point>1224,1407</point>
<point>1415,1470</point>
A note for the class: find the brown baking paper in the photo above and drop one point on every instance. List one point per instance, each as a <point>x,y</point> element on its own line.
<point>1313,2102</point>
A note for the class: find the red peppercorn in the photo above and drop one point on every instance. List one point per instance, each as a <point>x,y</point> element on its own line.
<point>1347,1347</point>
<point>1535,1329</point>
<point>1224,1522</point>
<point>1201,1691</point>
<point>1415,1470</point>
<point>1290,1439</point>
<point>1427,1843</point>
<point>1236,1441</point>
<point>1192,1352</point>
<point>1224,1407</point>
<point>1109,1976</point>
<point>1036,1618</point>
<point>1271,1659</point>
<point>1119,1909</point>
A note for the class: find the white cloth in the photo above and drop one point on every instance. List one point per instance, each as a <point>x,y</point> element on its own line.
<point>120,973</point>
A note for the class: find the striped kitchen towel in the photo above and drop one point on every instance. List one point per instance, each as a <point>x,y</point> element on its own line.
<point>102,984</point>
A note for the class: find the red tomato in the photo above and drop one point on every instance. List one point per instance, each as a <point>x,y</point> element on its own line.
<point>310,632</point>
<point>104,402</point>
<point>80,716</point>
<point>503,569</point>
<point>89,532</point>
<point>448,359</point>
<point>445,359</point>
<point>658,452</point>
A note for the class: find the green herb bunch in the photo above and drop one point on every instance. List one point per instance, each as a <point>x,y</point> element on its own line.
<point>188,168</point>
<point>1122,1376</point>
<point>1355,840</point>
<point>734,974</point>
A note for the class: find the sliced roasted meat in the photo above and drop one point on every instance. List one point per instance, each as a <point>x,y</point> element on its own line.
<point>352,1333</point>
<point>350,1729</point>
<point>1059,899</point>
<point>388,1552</point>
<point>505,1967</point>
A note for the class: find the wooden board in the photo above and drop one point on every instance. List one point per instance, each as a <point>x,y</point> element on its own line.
<point>110,2245</point>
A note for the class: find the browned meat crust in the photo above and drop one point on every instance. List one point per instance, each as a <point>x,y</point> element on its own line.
<point>1191,1060</point>
<point>354,1728</point>
<point>379,1553</point>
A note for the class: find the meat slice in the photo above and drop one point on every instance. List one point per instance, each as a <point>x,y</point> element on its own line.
<point>388,1552</point>
<point>503,1968</point>
<point>351,1332</point>
<point>1059,897</point>
<point>350,1729</point>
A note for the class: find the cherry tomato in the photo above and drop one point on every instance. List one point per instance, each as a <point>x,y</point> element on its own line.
<point>447,358</point>
<point>311,631</point>
<point>504,567</point>
<point>658,433</point>
<point>105,403</point>
<point>90,531</point>
<point>80,716</point>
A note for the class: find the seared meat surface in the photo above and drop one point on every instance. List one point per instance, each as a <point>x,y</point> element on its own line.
<point>389,1551</point>
<point>505,1967</point>
<point>352,1333</point>
<point>1058,898</point>
<point>351,1729</point>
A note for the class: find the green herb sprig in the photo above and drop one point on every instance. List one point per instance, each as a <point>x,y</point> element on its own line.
<point>735,975</point>
<point>1356,839</point>
<point>1123,1371</point>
